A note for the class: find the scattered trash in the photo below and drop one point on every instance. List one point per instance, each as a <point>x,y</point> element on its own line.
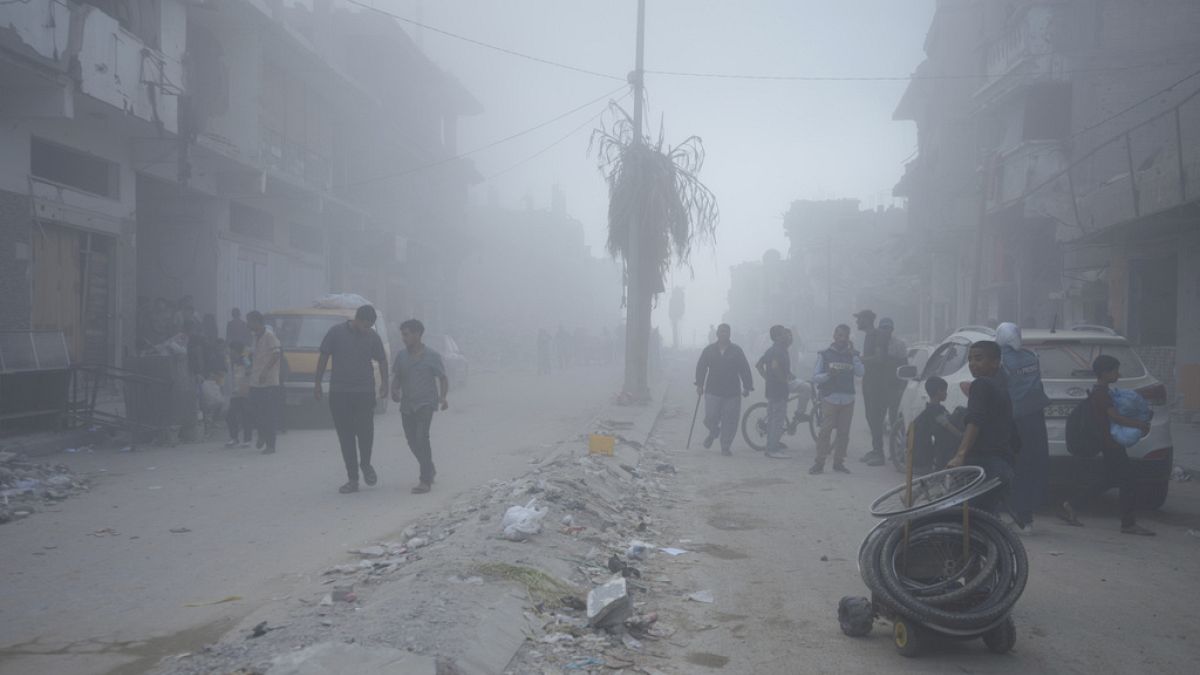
<point>600,444</point>
<point>702,596</point>
<point>631,643</point>
<point>609,604</point>
<point>260,630</point>
<point>1180,474</point>
<point>1056,553</point>
<point>665,468</point>
<point>228,598</point>
<point>375,551</point>
<point>632,470</point>
<point>180,530</point>
<point>521,522</point>
<point>671,551</point>
<point>568,520</point>
<point>104,532</point>
<point>637,550</point>
<point>580,664</point>
<point>416,542</point>
<point>326,601</point>
<point>343,593</point>
<point>572,602</point>
<point>641,622</point>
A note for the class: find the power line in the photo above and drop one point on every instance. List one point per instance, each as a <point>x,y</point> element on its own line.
<point>485,146</point>
<point>546,149</point>
<point>885,78</point>
<point>485,45</point>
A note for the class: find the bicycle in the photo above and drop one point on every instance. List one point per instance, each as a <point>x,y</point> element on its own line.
<point>754,420</point>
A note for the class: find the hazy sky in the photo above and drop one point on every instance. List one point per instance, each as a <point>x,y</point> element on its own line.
<point>767,142</point>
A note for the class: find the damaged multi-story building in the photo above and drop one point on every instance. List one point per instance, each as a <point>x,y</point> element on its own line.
<point>1058,170</point>
<point>245,153</point>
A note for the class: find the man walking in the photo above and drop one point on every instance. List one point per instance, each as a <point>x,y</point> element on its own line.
<point>776,370</point>
<point>720,371</point>
<point>264,378</point>
<point>353,345</point>
<point>419,384</point>
<point>882,354</point>
<point>834,374</point>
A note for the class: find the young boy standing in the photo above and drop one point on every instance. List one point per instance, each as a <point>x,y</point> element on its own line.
<point>934,437</point>
<point>1117,470</point>
<point>237,419</point>
<point>989,441</point>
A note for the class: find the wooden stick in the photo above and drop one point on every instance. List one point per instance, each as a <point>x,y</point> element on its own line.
<point>966,531</point>
<point>908,497</point>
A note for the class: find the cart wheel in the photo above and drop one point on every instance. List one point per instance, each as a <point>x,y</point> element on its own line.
<point>1002,638</point>
<point>910,638</point>
<point>856,616</point>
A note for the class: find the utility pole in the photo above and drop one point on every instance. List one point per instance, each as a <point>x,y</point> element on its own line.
<point>637,325</point>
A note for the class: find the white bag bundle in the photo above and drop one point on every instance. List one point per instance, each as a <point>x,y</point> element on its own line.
<point>522,522</point>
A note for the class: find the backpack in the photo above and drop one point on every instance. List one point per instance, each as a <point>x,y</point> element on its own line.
<point>1082,440</point>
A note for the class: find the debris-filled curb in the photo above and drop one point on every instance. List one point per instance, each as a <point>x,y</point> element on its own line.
<point>508,572</point>
<point>27,487</point>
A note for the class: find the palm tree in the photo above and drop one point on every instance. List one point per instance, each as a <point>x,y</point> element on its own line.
<point>653,190</point>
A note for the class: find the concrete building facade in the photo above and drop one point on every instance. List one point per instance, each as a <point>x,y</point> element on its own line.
<point>248,154</point>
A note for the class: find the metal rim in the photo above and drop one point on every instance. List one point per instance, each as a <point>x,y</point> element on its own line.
<point>926,488</point>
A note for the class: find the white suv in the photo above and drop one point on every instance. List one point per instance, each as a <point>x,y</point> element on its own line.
<point>1066,359</point>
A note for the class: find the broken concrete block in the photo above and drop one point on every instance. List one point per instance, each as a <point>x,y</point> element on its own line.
<point>609,604</point>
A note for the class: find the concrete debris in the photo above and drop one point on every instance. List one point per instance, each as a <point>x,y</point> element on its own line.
<point>638,550</point>
<point>25,486</point>
<point>609,604</point>
<point>416,542</point>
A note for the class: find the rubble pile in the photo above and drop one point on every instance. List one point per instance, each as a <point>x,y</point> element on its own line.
<point>27,487</point>
<point>569,547</point>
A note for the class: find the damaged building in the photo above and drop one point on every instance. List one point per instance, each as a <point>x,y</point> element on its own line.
<point>226,151</point>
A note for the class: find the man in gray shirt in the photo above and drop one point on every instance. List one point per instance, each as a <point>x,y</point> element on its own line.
<point>420,386</point>
<point>353,345</point>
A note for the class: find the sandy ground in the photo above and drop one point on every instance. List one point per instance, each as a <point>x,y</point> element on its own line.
<point>777,550</point>
<point>101,584</point>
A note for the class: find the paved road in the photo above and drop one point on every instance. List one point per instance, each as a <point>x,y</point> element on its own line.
<point>779,551</point>
<point>81,600</point>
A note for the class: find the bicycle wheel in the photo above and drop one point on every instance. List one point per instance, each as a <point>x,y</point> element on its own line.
<point>754,426</point>
<point>926,490</point>
<point>814,419</point>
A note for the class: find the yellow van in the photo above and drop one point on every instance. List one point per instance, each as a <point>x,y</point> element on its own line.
<point>300,332</point>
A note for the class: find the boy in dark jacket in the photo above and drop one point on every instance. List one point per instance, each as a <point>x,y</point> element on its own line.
<point>989,440</point>
<point>933,435</point>
<point>1117,469</point>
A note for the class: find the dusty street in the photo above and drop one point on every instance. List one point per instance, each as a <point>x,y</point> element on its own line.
<point>777,551</point>
<point>102,584</point>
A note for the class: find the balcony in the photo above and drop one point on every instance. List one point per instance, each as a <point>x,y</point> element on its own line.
<point>1025,51</point>
<point>115,65</point>
<point>294,160</point>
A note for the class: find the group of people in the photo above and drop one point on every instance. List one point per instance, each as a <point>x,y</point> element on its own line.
<point>1002,428</point>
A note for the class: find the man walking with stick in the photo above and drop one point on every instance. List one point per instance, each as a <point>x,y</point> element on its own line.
<point>723,377</point>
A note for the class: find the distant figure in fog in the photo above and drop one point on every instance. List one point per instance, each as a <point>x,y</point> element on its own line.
<point>834,375</point>
<point>543,352</point>
<point>562,345</point>
<point>882,354</point>
<point>723,378</point>
<point>238,420</point>
<point>776,370</point>
<point>264,381</point>
<point>236,329</point>
<point>1023,372</point>
<point>353,345</point>
<point>420,386</point>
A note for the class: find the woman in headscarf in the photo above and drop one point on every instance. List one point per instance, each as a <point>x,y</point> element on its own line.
<point>1024,375</point>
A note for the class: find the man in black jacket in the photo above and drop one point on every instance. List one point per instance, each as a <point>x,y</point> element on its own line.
<point>720,371</point>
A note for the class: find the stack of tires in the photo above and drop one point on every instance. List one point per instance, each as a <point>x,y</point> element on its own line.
<point>940,574</point>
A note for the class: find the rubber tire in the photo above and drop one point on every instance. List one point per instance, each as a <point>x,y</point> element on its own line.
<point>746,427</point>
<point>856,615</point>
<point>1002,638</point>
<point>911,639</point>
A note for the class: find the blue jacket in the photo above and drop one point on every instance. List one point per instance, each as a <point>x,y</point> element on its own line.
<point>1023,372</point>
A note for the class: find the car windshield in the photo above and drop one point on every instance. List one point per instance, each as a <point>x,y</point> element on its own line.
<point>1073,360</point>
<point>302,331</point>
<point>947,360</point>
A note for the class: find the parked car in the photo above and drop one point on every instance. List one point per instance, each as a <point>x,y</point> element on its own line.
<point>300,332</point>
<point>1066,361</point>
<point>457,367</point>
